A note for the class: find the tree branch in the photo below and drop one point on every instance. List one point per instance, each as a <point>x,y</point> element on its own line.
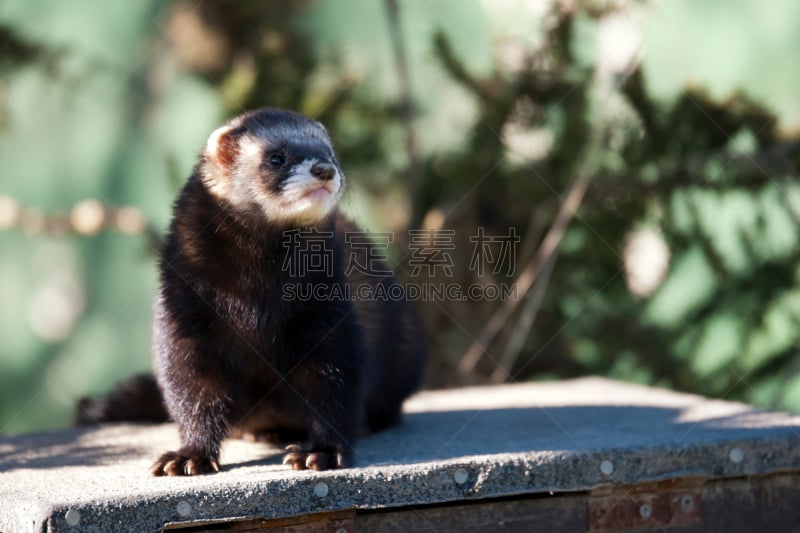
<point>406,111</point>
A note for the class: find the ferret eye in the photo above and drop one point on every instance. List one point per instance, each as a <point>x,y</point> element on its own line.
<point>277,160</point>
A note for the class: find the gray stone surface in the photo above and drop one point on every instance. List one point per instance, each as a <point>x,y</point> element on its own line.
<point>464,444</point>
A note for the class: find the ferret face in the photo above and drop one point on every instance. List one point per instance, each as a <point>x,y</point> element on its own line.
<point>276,163</point>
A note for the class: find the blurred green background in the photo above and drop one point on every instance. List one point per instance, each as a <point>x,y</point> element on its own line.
<point>679,268</point>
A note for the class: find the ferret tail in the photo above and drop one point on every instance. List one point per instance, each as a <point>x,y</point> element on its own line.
<point>137,399</point>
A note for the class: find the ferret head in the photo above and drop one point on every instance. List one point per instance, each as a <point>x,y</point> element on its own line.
<point>276,164</point>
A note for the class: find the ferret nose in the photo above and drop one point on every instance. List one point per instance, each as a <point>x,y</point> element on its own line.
<point>324,171</point>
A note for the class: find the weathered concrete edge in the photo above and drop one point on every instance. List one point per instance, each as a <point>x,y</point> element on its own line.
<point>28,514</point>
<point>432,483</point>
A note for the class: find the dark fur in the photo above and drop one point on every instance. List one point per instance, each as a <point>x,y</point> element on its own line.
<point>138,399</point>
<point>233,357</point>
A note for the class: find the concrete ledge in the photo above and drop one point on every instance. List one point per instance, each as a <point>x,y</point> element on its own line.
<point>455,446</point>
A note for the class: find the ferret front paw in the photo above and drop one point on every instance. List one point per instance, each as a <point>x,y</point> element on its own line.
<point>316,459</point>
<point>183,463</point>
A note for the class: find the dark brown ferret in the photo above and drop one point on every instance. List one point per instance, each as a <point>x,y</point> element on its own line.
<point>254,331</point>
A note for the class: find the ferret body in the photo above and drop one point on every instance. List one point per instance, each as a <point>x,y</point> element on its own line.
<point>233,355</point>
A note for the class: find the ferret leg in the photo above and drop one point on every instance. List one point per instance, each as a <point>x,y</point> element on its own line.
<point>203,424</point>
<point>334,414</point>
<point>201,436</point>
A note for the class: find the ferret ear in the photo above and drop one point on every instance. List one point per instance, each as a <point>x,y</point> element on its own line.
<point>223,145</point>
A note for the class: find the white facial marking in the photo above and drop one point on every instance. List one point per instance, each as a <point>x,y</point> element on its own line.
<point>304,198</point>
<point>245,175</point>
<point>307,197</point>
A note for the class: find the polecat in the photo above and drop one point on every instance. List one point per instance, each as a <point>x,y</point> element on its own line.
<point>233,355</point>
